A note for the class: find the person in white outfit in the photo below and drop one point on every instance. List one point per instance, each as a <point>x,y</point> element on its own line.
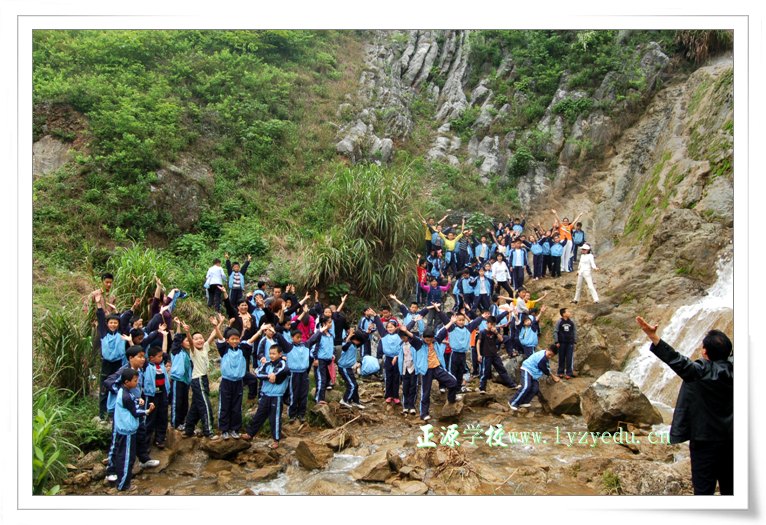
<point>584,271</point>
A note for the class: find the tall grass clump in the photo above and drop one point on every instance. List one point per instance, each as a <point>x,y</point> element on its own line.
<point>134,269</point>
<point>371,243</point>
<point>698,45</point>
<point>65,350</point>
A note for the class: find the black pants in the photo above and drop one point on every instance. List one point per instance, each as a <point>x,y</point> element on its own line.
<point>298,394</point>
<point>391,373</point>
<point>429,247</point>
<point>457,366</point>
<point>445,379</point>
<point>475,365</point>
<point>505,286</point>
<point>566,358</point>
<point>409,389</point>
<point>351,395</point>
<point>235,296</point>
<point>322,377</point>
<point>452,264</point>
<point>124,447</point>
<point>482,301</point>
<point>157,421</point>
<point>200,409</point>
<point>107,368</point>
<point>269,407</point>
<point>230,405</point>
<point>546,264</point>
<point>179,404</point>
<point>555,266</point>
<point>517,273</point>
<point>214,295</point>
<point>712,461</point>
<point>487,363</point>
<point>537,262</point>
<point>253,385</point>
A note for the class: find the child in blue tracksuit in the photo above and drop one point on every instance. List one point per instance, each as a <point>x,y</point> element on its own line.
<point>406,363</point>
<point>156,385</point>
<point>113,347</point>
<point>180,376</point>
<point>274,373</point>
<point>298,362</point>
<point>537,257</point>
<point>351,349</point>
<point>391,344</point>
<point>235,355</point>
<point>126,420</point>
<point>459,341</point>
<point>532,369</point>
<point>322,345</point>
<point>557,250</point>
<point>528,337</point>
<point>518,261</point>
<point>545,243</point>
<point>578,239</point>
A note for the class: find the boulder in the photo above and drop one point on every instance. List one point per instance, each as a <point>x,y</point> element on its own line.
<point>451,411</point>
<point>559,398</point>
<point>326,415</point>
<point>373,468</point>
<point>312,456</point>
<point>475,399</point>
<point>264,473</point>
<point>224,448</point>
<point>413,488</point>
<point>614,398</point>
<point>48,155</point>
<point>395,462</point>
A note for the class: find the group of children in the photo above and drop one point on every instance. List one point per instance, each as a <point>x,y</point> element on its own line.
<point>457,259</point>
<point>270,344</point>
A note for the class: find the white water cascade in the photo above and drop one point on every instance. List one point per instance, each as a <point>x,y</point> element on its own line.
<point>684,333</point>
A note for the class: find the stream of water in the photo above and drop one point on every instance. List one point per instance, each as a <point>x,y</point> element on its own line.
<point>684,333</point>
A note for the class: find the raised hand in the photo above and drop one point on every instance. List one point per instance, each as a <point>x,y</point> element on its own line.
<point>249,257</point>
<point>649,330</point>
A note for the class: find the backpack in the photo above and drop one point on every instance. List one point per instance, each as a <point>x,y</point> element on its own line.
<point>370,365</point>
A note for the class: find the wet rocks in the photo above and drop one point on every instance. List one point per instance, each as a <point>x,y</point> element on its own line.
<point>224,448</point>
<point>312,455</point>
<point>559,398</point>
<point>326,415</point>
<point>373,468</point>
<point>337,439</point>
<point>264,473</point>
<point>613,399</point>
<point>451,411</point>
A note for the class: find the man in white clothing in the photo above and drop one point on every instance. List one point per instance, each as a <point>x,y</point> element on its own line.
<point>587,264</point>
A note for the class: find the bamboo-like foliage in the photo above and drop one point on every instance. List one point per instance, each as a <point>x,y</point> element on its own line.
<point>134,269</point>
<point>65,349</point>
<point>375,234</point>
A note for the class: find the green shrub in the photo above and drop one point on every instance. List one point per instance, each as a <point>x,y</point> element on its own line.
<point>520,163</point>
<point>572,108</point>
<point>134,269</point>
<point>50,450</point>
<point>65,348</point>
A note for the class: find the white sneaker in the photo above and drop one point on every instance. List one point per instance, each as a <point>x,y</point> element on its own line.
<point>359,406</point>
<point>458,397</point>
<point>412,411</point>
<point>526,405</point>
<point>512,407</point>
<point>427,417</point>
<point>442,390</point>
<point>404,411</point>
<point>111,478</point>
<point>225,435</point>
<point>482,391</point>
<point>345,403</point>
<point>150,463</point>
<point>235,434</point>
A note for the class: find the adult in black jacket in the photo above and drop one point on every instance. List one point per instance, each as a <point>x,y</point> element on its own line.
<point>704,413</point>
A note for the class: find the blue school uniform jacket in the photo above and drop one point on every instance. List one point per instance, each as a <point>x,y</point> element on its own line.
<point>348,355</point>
<point>233,360</point>
<point>459,338</point>
<point>297,355</point>
<point>126,413</point>
<point>149,382</point>
<point>391,343</point>
<point>322,345</point>
<point>112,385</point>
<point>557,249</point>
<point>281,370</point>
<point>536,365</point>
<point>415,344</point>
<point>528,336</point>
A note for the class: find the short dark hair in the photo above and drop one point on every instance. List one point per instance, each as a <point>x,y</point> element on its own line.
<point>261,284</point>
<point>106,275</point>
<point>243,300</point>
<point>293,333</point>
<point>717,345</point>
<point>216,260</point>
<point>553,349</point>
<point>276,345</point>
<point>230,332</point>
<point>112,316</point>
<point>579,225</point>
<point>134,350</point>
<point>135,332</point>
<point>415,303</point>
<point>235,263</point>
<point>561,312</point>
<point>154,350</point>
<point>428,332</point>
<point>491,319</point>
<point>127,374</point>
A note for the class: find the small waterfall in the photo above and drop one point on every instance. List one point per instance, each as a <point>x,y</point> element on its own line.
<point>684,333</point>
